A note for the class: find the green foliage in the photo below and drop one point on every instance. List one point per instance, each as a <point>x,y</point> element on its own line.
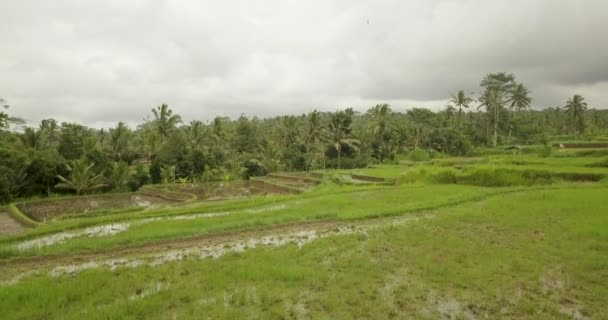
<point>249,146</point>
<point>82,178</point>
<point>12,166</point>
<point>419,155</point>
<point>165,121</point>
<point>156,171</point>
<point>72,143</point>
<point>119,177</point>
<point>545,151</point>
<point>168,174</point>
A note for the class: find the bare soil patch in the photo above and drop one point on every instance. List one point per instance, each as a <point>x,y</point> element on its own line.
<point>8,225</point>
<point>42,210</point>
<point>218,190</point>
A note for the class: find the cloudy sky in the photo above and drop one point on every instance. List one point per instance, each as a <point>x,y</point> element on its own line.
<point>100,62</point>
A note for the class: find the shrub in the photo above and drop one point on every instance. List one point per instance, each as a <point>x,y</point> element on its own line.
<point>413,176</point>
<point>419,155</point>
<point>545,151</point>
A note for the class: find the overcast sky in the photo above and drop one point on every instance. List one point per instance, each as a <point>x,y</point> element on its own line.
<point>100,62</point>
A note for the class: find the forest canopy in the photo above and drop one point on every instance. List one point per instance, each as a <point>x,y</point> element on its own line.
<point>71,157</point>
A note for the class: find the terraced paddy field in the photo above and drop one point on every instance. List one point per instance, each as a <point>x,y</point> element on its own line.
<point>8,225</point>
<point>499,237</point>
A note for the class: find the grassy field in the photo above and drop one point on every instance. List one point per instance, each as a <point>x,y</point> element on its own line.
<point>419,246</point>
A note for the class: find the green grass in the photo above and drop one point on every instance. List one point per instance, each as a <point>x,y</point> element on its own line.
<point>510,236</point>
<point>357,204</point>
<point>531,255</point>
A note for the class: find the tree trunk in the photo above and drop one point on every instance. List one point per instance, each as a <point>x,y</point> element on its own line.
<point>339,152</point>
<point>459,116</point>
<point>495,125</point>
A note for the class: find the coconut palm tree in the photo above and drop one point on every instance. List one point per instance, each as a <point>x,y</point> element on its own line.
<point>576,107</point>
<point>519,100</point>
<point>339,133</point>
<point>165,120</point>
<point>119,141</point>
<point>461,100</point>
<point>270,157</point>
<point>493,101</point>
<point>49,127</point>
<point>119,176</point>
<point>82,178</point>
<point>31,138</point>
<point>315,136</point>
<point>195,134</point>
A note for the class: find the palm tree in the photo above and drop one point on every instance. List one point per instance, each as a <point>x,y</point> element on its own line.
<point>520,101</point>
<point>217,129</point>
<point>49,127</point>
<point>31,138</point>
<point>339,133</point>
<point>165,120</point>
<point>461,100</point>
<point>195,135</point>
<point>82,178</point>
<point>120,175</point>
<point>269,158</point>
<point>315,136</point>
<point>119,141</point>
<point>381,136</point>
<point>576,107</point>
<point>493,101</point>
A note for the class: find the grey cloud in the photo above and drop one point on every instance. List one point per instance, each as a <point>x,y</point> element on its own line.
<point>100,62</point>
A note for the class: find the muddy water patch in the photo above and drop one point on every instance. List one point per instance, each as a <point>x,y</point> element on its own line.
<point>215,246</point>
<point>96,231</point>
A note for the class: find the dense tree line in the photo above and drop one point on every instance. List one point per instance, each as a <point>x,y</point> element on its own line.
<point>68,156</point>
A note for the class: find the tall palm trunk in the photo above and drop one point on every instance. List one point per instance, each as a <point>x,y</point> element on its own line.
<point>339,153</point>
<point>511,126</point>
<point>495,125</point>
<point>459,116</point>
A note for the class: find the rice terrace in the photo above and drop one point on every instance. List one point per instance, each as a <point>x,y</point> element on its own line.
<point>314,160</point>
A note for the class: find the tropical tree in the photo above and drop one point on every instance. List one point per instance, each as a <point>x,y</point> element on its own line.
<point>576,107</point>
<point>339,133</point>
<point>31,138</point>
<point>168,174</point>
<point>165,120</point>
<point>82,179</point>
<point>50,128</point>
<point>461,100</point>
<point>119,176</point>
<point>381,115</point>
<point>493,101</point>
<point>496,86</point>
<point>519,100</point>
<point>119,141</point>
<point>195,134</point>
<point>270,157</point>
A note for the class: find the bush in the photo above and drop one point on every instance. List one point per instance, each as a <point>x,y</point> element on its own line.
<point>419,155</point>
<point>413,176</point>
<point>545,151</point>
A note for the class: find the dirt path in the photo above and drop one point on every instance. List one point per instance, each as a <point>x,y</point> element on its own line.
<point>199,247</point>
<point>8,225</point>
